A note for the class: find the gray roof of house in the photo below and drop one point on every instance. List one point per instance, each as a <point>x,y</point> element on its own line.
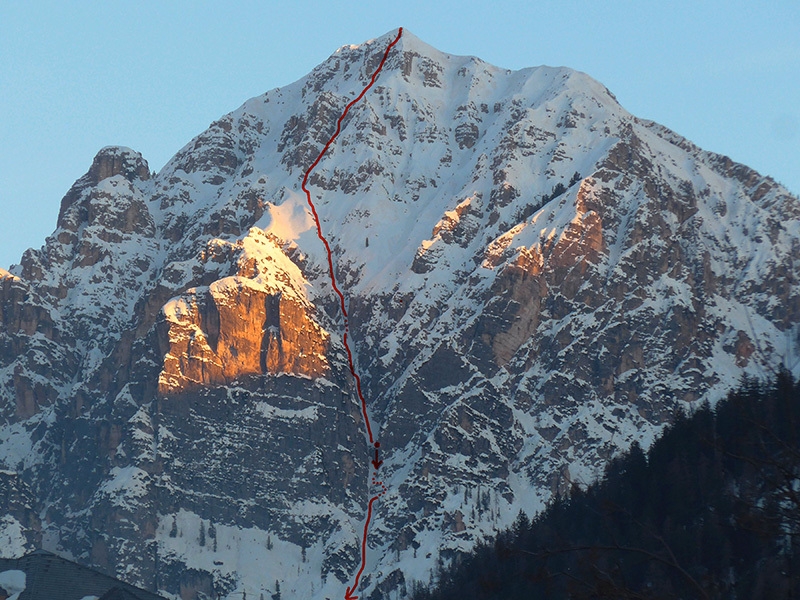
<point>50,577</point>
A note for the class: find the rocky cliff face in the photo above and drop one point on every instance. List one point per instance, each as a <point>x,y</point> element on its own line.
<point>256,321</point>
<point>535,279</point>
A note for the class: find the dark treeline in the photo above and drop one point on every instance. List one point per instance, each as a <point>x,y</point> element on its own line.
<point>712,511</point>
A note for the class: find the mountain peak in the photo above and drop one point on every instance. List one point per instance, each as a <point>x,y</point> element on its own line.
<point>408,47</point>
<point>410,43</point>
<point>419,62</point>
<point>118,160</point>
<point>534,278</point>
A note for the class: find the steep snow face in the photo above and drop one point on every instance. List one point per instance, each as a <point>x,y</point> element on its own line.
<point>535,279</point>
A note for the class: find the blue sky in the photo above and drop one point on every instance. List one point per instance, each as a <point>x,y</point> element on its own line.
<point>77,76</point>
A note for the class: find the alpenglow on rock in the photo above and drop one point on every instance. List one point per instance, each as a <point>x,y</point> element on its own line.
<point>535,279</point>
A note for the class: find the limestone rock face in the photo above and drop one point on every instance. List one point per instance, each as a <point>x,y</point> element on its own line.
<point>115,160</point>
<point>534,279</point>
<point>18,314</point>
<point>216,334</point>
<point>258,320</point>
<point>109,162</point>
<point>36,364</point>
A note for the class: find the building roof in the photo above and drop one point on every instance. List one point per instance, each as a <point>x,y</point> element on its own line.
<point>50,577</point>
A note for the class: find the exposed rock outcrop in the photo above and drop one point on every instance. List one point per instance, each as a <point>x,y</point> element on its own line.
<point>216,334</point>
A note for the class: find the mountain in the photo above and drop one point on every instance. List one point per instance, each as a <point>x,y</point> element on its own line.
<point>710,512</point>
<point>535,279</point>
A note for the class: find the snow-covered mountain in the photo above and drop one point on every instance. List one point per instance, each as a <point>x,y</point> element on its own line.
<point>535,279</point>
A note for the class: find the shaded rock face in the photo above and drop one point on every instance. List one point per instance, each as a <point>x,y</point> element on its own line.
<point>534,280</point>
<point>109,162</point>
<point>20,527</point>
<point>514,313</point>
<point>113,160</point>
<point>36,362</point>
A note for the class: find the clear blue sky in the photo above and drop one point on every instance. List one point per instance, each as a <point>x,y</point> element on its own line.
<point>77,76</point>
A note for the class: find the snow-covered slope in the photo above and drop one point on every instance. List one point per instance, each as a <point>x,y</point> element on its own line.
<point>535,278</point>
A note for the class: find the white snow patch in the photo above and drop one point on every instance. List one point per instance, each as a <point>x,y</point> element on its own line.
<point>290,219</point>
<point>126,485</point>
<point>13,582</point>
<point>255,558</point>
<point>268,410</point>
<point>15,445</point>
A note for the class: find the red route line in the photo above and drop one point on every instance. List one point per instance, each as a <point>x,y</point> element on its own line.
<point>376,463</point>
<point>325,241</point>
<point>348,593</point>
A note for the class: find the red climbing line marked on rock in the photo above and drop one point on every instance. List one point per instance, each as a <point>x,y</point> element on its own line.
<point>351,590</point>
<point>327,245</point>
<point>375,463</point>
